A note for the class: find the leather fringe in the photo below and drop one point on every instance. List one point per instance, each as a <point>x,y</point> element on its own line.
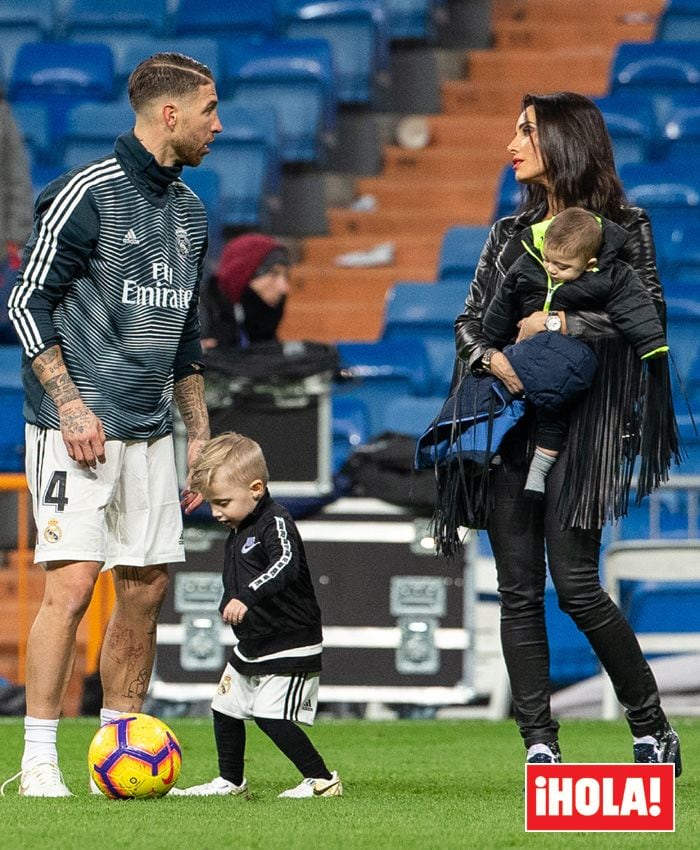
<point>627,414</point>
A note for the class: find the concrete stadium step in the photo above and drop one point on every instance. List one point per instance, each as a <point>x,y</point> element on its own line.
<point>527,34</point>
<point>549,13</point>
<point>463,160</point>
<point>330,304</point>
<point>477,130</point>
<point>311,281</point>
<point>422,249</point>
<point>417,219</point>
<point>323,321</point>
<point>584,69</point>
<point>453,192</point>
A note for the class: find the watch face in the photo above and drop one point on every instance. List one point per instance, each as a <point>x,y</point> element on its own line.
<point>553,323</point>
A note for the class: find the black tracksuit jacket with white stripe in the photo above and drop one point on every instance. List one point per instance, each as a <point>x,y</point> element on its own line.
<point>265,568</point>
<point>111,273</point>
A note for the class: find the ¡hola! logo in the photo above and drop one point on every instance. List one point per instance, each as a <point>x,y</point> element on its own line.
<point>599,798</point>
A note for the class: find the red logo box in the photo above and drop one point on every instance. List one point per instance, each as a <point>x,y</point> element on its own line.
<point>600,798</point>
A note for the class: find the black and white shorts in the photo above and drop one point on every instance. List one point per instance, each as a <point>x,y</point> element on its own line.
<point>277,696</point>
<point>125,512</point>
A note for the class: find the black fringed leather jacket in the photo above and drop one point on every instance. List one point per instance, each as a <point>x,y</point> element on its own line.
<point>503,247</point>
<point>629,409</point>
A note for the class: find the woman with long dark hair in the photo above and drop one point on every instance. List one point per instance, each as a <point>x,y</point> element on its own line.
<point>562,156</point>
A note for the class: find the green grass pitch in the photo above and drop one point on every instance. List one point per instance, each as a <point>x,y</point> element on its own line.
<point>433,785</point>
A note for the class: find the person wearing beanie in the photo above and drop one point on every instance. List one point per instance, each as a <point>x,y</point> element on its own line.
<point>243,301</point>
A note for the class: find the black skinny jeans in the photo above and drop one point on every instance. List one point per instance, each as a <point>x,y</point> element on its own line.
<point>518,529</point>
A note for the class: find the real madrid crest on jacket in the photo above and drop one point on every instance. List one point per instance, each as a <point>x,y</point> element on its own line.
<point>265,567</point>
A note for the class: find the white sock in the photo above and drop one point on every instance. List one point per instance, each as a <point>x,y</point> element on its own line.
<point>39,741</point>
<point>109,714</point>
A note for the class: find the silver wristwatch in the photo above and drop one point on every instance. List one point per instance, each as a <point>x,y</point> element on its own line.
<point>486,359</point>
<point>553,323</point>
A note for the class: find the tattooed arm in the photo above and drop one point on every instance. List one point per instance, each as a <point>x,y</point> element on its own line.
<point>81,430</point>
<point>189,398</point>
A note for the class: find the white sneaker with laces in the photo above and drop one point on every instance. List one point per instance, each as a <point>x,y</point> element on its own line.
<point>307,788</point>
<point>40,780</point>
<point>218,787</point>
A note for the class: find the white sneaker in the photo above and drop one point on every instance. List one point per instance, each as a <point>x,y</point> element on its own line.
<point>94,787</point>
<point>41,780</point>
<point>332,787</point>
<point>218,787</point>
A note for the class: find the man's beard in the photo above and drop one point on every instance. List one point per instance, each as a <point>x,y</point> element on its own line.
<point>189,154</point>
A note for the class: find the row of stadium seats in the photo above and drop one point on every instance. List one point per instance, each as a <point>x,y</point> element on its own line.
<point>238,182</point>
<point>56,19</point>
<point>294,79</point>
<point>359,30</point>
<point>402,19</point>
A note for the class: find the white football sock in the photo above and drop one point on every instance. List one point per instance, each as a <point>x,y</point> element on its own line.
<point>39,741</point>
<point>109,714</point>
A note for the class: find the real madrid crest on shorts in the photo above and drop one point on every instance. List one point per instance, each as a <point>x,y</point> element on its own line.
<point>52,532</point>
<point>224,685</point>
<point>183,242</point>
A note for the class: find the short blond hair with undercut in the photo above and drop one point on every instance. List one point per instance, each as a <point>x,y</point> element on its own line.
<point>231,457</point>
<point>575,232</point>
<point>169,74</point>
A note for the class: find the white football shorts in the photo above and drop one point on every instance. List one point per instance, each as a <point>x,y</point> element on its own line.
<point>125,512</point>
<point>278,696</point>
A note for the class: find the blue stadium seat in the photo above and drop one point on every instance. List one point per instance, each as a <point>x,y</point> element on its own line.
<point>349,427</point>
<point>570,655</point>
<point>225,18</point>
<point>661,69</point>
<point>292,77</point>
<point>668,186</point>
<point>11,401</point>
<point>508,195</point>
<point>658,606</point>
<point>631,123</point>
<point>680,21</point>
<point>61,75</point>
<point>693,386</point>
<point>91,130</point>
<point>411,415</point>
<point>42,175</point>
<point>99,17</point>
<point>668,230</point>
<point>34,123</point>
<point>38,13</point>
<point>690,433</point>
<point>683,328</point>
<point>21,23</point>
<point>681,132</point>
<point>377,372</point>
<point>427,314</point>
<point>680,252</point>
<point>204,182</point>
<point>459,253</point>
<point>245,156</point>
<point>357,32</point>
<point>130,48</point>
<point>412,19</point>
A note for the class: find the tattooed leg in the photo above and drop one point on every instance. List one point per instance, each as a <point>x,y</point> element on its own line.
<point>129,647</point>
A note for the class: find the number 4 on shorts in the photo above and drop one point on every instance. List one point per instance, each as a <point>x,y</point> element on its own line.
<point>55,493</point>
